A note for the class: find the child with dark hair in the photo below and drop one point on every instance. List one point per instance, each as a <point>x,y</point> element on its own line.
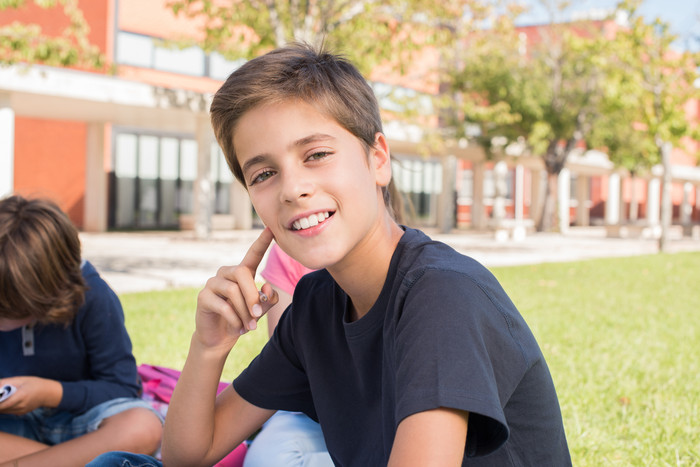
<point>405,351</point>
<point>64,348</point>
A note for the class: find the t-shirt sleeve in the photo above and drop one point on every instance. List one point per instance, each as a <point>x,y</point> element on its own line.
<point>111,364</point>
<point>282,271</point>
<point>455,348</point>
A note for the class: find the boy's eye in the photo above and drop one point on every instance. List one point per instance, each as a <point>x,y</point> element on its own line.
<point>318,155</point>
<point>262,176</point>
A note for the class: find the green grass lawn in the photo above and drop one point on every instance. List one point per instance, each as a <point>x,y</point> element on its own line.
<point>621,337</point>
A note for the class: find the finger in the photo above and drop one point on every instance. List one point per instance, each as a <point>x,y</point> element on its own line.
<point>249,290</point>
<point>257,250</point>
<point>240,307</point>
<point>270,296</point>
<point>233,305</point>
<point>212,300</point>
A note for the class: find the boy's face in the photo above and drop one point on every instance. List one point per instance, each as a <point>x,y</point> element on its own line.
<point>311,181</point>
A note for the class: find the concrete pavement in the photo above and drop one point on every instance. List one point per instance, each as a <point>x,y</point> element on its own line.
<point>132,262</point>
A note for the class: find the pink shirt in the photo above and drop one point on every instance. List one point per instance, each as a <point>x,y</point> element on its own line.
<point>282,271</point>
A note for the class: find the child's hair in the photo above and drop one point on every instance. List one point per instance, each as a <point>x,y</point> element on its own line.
<point>39,262</point>
<point>299,72</point>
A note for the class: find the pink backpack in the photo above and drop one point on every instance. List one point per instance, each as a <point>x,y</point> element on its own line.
<point>158,383</point>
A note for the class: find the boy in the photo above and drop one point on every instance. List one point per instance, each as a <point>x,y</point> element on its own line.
<point>405,351</point>
<point>64,348</point>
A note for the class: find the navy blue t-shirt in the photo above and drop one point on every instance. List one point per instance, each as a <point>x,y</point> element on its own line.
<point>443,333</point>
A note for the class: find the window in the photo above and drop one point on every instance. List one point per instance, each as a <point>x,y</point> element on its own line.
<point>134,49</point>
<point>189,61</point>
<point>220,68</point>
<point>153,180</point>
<point>420,181</point>
<point>151,52</point>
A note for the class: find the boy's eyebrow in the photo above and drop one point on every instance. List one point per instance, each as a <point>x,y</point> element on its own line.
<point>311,139</point>
<point>300,142</point>
<point>252,161</point>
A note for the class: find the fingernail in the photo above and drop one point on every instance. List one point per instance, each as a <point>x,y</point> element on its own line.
<point>242,331</point>
<point>252,325</point>
<point>256,311</point>
<point>263,297</point>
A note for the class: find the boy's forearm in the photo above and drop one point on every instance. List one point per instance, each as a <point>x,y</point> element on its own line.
<point>189,425</point>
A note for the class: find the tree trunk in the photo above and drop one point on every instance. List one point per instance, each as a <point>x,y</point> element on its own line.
<point>634,202</point>
<point>547,219</point>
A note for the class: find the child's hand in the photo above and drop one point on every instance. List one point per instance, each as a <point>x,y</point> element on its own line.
<point>32,392</point>
<point>230,303</point>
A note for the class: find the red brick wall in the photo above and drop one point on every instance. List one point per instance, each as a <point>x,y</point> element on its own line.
<point>50,162</point>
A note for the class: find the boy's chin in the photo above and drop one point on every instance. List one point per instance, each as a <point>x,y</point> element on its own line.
<point>312,261</point>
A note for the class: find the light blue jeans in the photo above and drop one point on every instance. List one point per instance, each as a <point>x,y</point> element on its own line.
<point>289,439</point>
<point>124,459</point>
<point>51,426</point>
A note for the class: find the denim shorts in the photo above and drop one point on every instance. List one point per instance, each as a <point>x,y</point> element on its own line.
<point>51,426</point>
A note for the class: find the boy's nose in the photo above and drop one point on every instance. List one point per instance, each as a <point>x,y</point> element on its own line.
<point>295,187</point>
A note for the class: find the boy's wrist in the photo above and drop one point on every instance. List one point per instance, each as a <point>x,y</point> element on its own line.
<point>200,349</point>
<point>52,393</point>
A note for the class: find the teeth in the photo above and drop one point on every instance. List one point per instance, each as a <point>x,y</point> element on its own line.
<point>312,220</point>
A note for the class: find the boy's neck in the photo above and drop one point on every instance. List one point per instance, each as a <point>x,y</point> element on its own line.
<point>362,276</point>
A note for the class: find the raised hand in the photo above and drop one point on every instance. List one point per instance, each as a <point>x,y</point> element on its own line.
<point>230,304</point>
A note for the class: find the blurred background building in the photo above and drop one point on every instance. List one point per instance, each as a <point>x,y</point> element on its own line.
<point>132,148</point>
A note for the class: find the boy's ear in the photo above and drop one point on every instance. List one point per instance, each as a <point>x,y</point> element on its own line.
<point>381,159</point>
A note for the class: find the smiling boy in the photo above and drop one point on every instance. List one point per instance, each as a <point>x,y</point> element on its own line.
<point>405,351</point>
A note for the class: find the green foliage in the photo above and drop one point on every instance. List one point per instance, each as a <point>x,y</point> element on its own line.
<point>650,85</point>
<point>541,92</point>
<point>27,44</point>
<point>621,338</point>
<point>369,33</point>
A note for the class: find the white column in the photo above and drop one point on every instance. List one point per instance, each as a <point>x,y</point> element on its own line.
<point>564,198</point>
<point>622,219</point>
<point>686,207</point>
<point>241,208</point>
<point>582,213</point>
<point>654,201</point>
<point>203,184</point>
<point>612,204</point>
<point>7,146</point>
<point>95,180</point>
<point>519,197</point>
<point>478,211</point>
<point>500,170</point>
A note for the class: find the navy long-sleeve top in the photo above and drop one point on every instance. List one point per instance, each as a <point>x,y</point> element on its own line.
<point>91,357</point>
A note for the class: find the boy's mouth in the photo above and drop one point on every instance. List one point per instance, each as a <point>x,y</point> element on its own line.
<point>311,220</point>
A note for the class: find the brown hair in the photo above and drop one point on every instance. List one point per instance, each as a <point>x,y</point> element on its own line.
<point>299,72</point>
<point>39,262</point>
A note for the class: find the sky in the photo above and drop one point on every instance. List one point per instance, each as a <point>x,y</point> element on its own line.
<point>682,15</point>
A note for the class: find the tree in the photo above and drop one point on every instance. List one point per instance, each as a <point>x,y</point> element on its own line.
<point>544,94</point>
<point>368,32</point>
<point>27,43</point>
<point>657,82</point>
